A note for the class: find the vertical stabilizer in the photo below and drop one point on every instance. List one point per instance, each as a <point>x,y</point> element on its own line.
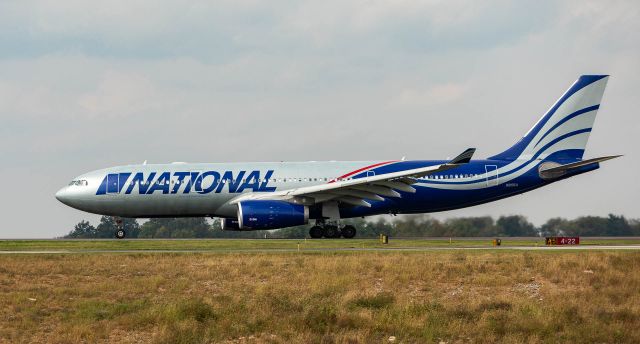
<point>564,130</point>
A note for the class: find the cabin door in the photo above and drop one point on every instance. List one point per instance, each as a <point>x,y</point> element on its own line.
<point>113,183</point>
<point>492,174</point>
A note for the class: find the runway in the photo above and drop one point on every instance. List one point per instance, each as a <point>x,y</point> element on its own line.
<point>342,249</point>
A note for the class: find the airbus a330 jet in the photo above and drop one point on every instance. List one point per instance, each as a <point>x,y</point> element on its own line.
<point>270,195</point>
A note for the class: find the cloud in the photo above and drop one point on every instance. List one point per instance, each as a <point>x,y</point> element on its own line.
<point>223,30</point>
<point>120,95</point>
<point>438,94</point>
<point>86,85</point>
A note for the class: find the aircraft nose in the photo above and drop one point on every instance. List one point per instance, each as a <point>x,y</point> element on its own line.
<point>63,195</point>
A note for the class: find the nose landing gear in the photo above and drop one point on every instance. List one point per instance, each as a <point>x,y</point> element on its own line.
<point>331,231</point>
<point>120,233</point>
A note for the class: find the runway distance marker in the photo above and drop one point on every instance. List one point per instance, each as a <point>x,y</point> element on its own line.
<point>551,241</point>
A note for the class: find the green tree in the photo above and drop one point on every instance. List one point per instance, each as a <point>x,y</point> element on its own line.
<point>470,227</point>
<point>162,232</point>
<point>196,227</point>
<point>554,227</point>
<point>83,229</point>
<point>404,226</point>
<point>148,229</point>
<point>108,227</point>
<point>515,225</point>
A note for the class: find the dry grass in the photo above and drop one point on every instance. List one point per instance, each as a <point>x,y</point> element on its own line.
<point>518,297</point>
<point>236,245</point>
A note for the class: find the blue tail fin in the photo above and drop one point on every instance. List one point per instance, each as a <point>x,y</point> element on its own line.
<point>564,130</point>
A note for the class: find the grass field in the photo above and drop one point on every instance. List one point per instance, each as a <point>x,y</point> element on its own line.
<point>275,244</point>
<point>346,297</point>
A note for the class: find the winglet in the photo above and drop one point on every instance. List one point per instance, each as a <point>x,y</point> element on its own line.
<point>464,157</point>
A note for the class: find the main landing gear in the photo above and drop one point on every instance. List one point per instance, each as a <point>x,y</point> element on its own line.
<point>330,231</point>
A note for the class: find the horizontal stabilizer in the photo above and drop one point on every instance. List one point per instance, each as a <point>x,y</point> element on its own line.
<point>567,167</point>
<point>464,157</point>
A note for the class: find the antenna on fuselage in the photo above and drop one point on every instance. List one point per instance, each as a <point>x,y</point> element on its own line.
<point>145,162</point>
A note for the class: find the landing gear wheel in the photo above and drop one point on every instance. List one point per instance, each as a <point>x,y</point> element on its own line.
<point>315,232</point>
<point>331,232</point>
<point>348,231</point>
<point>120,234</point>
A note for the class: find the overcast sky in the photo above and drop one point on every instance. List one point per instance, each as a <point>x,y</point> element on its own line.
<point>86,85</point>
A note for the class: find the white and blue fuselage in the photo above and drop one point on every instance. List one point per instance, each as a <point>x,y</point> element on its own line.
<point>267,195</point>
<point>180,189</point>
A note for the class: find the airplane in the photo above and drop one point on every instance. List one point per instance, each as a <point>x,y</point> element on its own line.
<point>271,195</point>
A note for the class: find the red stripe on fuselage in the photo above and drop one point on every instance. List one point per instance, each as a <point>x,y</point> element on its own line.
<point>362,169</point>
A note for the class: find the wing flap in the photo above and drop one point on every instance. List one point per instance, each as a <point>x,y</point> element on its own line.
<point>357,193</point>
<point>397,185</point>
<point>376,189</point>
<point>354,201</point>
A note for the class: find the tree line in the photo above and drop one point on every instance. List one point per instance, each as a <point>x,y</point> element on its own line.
<point>402,226</point>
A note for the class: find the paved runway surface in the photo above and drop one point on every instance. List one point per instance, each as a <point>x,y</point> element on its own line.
<point>347,249</point>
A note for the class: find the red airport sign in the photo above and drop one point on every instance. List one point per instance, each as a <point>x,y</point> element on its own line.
<point>562,241</point>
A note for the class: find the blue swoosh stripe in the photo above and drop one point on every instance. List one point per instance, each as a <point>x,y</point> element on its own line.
<point>514,151</point>
<point>570,116</point>
<point>534,157</point>
<point>560,138</point>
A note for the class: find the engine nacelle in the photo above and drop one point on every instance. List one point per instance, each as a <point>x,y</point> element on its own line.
<point>271,214</point>
<point>229,224</point>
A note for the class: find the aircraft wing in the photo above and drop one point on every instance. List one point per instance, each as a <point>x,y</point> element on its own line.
<point>358,191</point>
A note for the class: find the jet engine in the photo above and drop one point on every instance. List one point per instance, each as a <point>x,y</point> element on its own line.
<point>229,224</point>
<point>257,214</point>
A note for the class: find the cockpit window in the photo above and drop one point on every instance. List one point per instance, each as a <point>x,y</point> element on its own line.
<point>80,182</point>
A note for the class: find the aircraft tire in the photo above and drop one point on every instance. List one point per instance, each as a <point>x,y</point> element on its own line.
<point>120,234</point>
<point>330,232</point>
<point>316,232</point>
<point>348,231</point>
